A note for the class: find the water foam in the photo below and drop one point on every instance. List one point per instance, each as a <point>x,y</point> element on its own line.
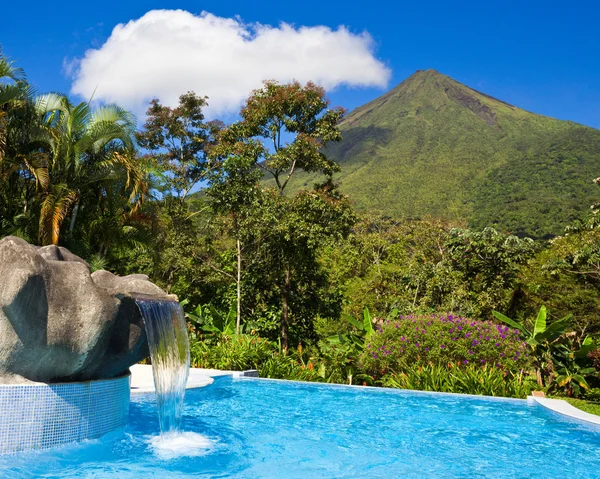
<point>180,444</point>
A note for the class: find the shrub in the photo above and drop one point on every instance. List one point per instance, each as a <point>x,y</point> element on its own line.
<point>236,352</point>
<point>443,339</point>
<point>469,379</point>
<point>289,367</point>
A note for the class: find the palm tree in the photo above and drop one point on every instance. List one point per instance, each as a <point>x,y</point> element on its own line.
<point>23,162</point>
<point>92,153</point>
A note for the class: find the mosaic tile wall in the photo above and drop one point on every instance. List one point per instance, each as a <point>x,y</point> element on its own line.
<point>38,416</point>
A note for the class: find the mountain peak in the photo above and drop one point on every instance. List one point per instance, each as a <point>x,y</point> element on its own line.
<point>428,91</point>
<point>434,146</point>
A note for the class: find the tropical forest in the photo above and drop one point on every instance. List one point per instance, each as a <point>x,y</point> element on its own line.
<point>436,238</point>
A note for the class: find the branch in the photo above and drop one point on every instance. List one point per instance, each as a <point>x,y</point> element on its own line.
<point>219,270</point>
<point>289,175</point>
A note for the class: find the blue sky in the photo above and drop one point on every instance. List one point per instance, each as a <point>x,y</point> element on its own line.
<point>541,56</point>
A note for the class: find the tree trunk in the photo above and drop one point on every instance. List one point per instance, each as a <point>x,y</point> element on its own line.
<point>285,297</point>
<point>239,287</point>
<point>73,217</point>
<point>538,374</point>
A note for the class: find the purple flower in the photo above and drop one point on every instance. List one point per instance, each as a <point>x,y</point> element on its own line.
<point>442,346</point>
<point>466,361</point>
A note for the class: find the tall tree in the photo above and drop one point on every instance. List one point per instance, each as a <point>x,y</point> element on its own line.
<point>177,140</point>
<point>284,129</point>
<point>23,159</point>
<point>293,123</point>
<point>235,192</point>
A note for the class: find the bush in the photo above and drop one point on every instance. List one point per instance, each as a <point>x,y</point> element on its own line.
<point>440,340</point>
<point>288,367</point>
<point>469,379</point>
<point>236,352</point>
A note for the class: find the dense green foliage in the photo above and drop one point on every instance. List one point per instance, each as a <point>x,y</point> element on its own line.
<point>285,276</point>
<point>432,147</point>
<point>466,379</point>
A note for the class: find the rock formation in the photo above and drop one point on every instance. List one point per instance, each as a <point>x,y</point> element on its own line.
<point>59,322</point>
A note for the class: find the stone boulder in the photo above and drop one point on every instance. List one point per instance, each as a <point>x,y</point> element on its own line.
<point>59,322</point>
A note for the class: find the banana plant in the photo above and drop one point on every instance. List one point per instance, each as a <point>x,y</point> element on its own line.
<point>208,319</point>
<point>364,329</point>
<point>573,366</point>
<point>541,331</point>
<point>542,338</point>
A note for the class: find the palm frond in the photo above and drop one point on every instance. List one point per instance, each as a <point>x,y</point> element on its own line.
<point>55,207</point>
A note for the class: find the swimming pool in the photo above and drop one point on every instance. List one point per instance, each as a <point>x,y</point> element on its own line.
<point>256,428</point>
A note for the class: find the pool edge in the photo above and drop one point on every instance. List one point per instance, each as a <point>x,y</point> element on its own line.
<point>565,409</point>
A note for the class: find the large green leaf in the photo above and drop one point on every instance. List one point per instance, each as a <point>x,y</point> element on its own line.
<point>554,330</point>
<point>367,322</point>
<point>509,321</point>
<point>563,380</point>
<point>540,322</point>
<point>581,381</point>
<point>353,321</point>
<point>586,346</point>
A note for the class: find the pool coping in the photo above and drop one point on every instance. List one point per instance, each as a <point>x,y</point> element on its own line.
<point>565,409</point>
<point>142,379</point>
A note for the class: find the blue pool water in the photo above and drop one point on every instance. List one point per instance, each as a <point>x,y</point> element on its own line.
<point>261,429</point>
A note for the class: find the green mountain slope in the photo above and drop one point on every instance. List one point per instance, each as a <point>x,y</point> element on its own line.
<point>434,147</point>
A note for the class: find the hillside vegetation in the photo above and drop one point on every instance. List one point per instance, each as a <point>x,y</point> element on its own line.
<point>432,147</point>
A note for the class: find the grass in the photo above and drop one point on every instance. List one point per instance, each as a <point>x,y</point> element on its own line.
<point>587,406</point>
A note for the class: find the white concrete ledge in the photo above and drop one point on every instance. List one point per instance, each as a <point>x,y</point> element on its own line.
<point>563,407</point>
<point>142,380</point>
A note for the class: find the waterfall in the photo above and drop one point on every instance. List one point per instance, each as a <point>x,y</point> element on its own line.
<point>170,353</point>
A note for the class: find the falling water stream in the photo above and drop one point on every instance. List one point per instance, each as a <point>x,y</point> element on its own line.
<point>170,355</point>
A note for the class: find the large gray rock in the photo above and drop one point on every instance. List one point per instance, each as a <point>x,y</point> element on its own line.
<point>60,322</point>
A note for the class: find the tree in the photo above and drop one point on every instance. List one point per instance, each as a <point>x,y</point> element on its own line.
<point>235,191</point>
<point>293,124</point>
<point>283,129</point>
<point>294,231</point>
<point>178,139</point>
<point>91,160</point>
<point>23,160</point>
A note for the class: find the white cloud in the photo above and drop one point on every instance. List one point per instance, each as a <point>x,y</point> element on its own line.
<point>168,52</point>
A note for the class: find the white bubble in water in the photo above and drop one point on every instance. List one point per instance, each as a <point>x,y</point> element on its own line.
<point>180,444</point>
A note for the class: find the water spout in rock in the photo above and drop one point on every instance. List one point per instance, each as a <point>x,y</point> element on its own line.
<point>170,355</point>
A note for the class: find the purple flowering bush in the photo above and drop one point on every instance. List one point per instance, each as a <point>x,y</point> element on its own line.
<point>443,339</point>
